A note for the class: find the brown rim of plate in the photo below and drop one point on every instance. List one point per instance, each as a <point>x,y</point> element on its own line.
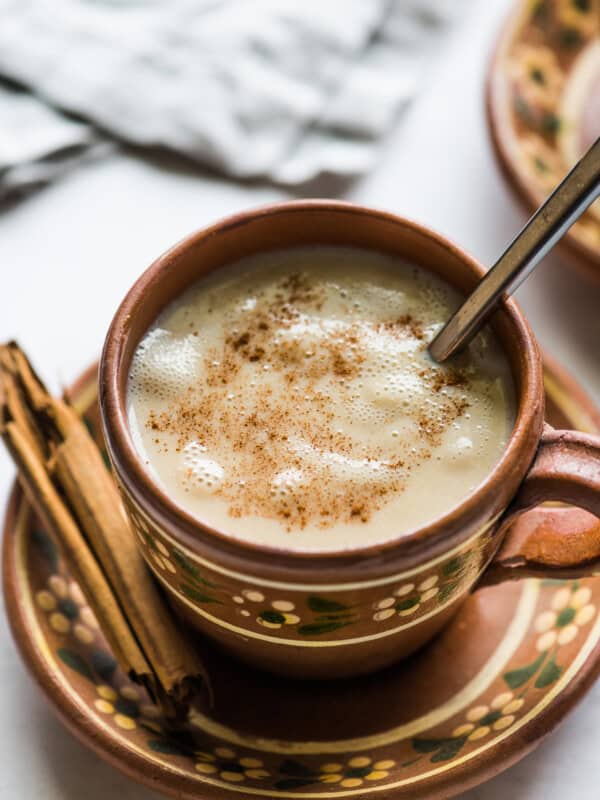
<point>585,260</point>
<point>442,534</point>
<point>157,776</point>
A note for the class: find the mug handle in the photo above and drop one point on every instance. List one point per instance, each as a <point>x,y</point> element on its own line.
<point>553,541</point>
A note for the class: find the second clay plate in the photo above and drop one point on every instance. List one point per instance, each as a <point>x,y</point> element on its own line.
<point>543,101</point>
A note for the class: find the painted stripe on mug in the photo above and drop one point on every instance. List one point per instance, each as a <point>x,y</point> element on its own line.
<point>513,637</point>
<point>263,637</point>
<point>324,587</point>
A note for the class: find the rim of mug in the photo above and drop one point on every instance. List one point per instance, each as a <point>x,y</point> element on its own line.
<point>188,529</point>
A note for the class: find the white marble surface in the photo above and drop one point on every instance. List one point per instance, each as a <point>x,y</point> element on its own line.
<point>70,252</point>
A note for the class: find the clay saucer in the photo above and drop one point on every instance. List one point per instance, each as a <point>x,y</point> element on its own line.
<point>512,663</point>
<point>543,104</point>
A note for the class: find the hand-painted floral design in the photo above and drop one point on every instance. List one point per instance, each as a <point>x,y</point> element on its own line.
<point>313,615</point>
<point>355,771</point>
<point>67,610</point>
<point>555,627</point>
<point>564,614</point>
<point>348,773</point>
<point>571,610</point>
<point>154,548</point>
<point>227,765</point>
<point>580,16</point>
<point>278,612</point>
<point>543,70</point>
<point>408,597</point>
<point>126,707</point>
<point>541,161</point>
<point>479,722</point>
<point>537,75</point>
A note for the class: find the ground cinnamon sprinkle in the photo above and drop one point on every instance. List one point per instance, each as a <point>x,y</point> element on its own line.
<point>279,436</point>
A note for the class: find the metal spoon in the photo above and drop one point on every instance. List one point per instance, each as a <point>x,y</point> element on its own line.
<point>552,219</point>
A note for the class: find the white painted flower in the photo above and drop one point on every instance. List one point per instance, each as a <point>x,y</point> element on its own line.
<point>64,603</point>
<point>571,610</point>
<point>481,719</point>
<point>224,762</point>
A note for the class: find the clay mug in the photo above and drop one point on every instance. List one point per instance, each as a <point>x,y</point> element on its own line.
<point>349,612</point>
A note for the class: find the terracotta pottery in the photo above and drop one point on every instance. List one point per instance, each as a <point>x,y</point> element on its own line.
<point>543,104</point>
<point>511,663</point>
<point>348,612</point>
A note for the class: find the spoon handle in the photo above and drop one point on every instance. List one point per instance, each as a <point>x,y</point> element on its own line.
<point>552,219</point>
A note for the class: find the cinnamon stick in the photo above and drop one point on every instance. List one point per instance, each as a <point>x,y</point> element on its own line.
<point>66,481</point>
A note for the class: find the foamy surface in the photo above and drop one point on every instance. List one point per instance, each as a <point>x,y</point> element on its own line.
<point>289,400</point>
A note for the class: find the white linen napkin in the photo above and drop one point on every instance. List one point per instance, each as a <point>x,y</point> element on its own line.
<point>278,89</point>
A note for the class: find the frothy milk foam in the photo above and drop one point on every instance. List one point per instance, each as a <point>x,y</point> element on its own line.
<point>289,400</point>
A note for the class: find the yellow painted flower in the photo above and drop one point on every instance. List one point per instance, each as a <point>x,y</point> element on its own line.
<point>67,610</point>
<point>571,610</point>
<point>406,599</point>
<point>480,720</point>
<point>582,16</point>
<point>355,772</point>
<point>542,163</point>
<point>224,762</point>
<point>537,75</point>
<point>126,707</point>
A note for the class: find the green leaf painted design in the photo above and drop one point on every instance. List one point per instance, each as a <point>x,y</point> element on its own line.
<point>69,608</point>
<point>490,718</point>
<point>448,750</point>
<point>166,747</point>
<point>551,123</point>
<point>197,596</point>
<point>190,568</point>
<point>442,749</point>
<point>272,616</point>
<point>321,605</point>
<point>292,767</point>
<point>453,566</point>
<point>357,772</point>
<point>554,582</point>
<point>447,591</point>
<point>517,677</point>
<point>550,673</point>
<point>317,628</point>
<point>46,547</point>
<point>103,663</point>
<point>75,662</point>
<point>566,616</point>
<point>427,745</point>
<point>403,605</point>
